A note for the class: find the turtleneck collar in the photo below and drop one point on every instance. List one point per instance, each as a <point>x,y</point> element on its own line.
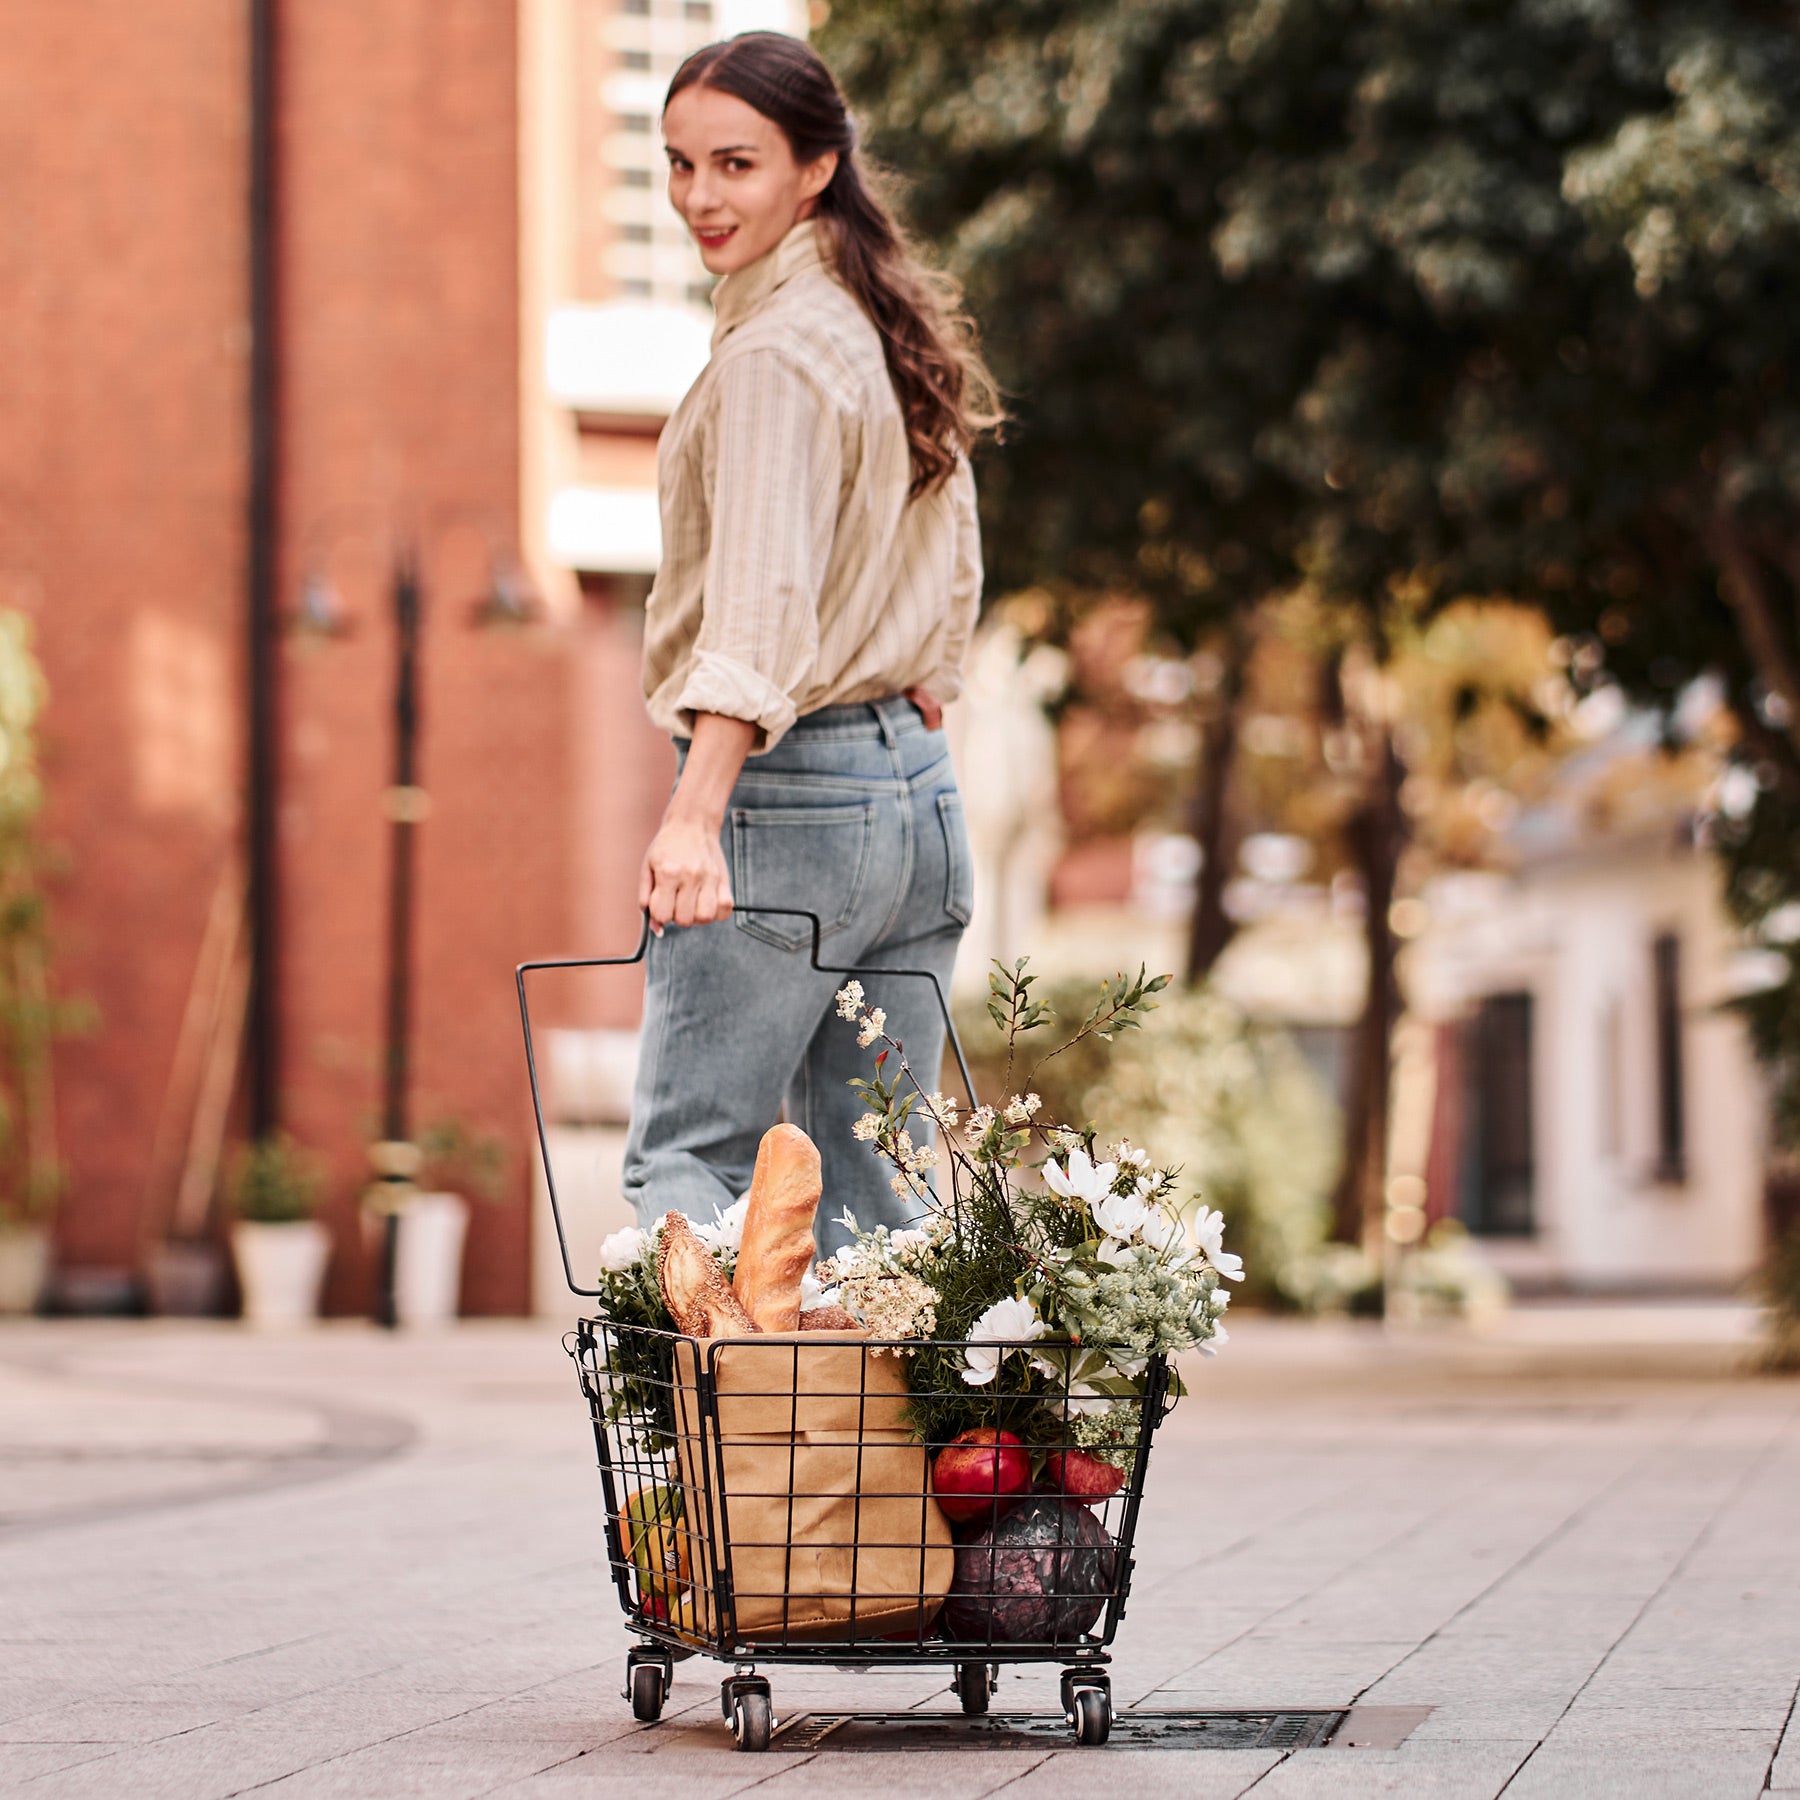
<point>739,294</point>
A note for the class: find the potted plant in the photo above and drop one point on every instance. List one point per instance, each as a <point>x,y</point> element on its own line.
<point>455,1164</point>
<point>279,1248</point>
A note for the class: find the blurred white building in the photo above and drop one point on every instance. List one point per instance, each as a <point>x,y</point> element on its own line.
<point>1599,1118</point>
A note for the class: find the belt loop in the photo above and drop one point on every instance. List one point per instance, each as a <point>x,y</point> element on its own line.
<point>888,734</point>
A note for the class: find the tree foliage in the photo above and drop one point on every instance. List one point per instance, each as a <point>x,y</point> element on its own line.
<point>1405,300</point>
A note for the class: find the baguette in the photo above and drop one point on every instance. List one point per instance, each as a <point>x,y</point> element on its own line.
<point>778,1247</point>
<point>694,1286</point>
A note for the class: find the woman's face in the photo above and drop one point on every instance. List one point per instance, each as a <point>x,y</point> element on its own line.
<point>733,178</point>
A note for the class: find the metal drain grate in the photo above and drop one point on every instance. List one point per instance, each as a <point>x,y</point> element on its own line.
<point>1290,1729</point>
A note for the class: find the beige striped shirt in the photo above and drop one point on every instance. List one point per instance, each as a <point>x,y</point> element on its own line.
<point>795,571</point>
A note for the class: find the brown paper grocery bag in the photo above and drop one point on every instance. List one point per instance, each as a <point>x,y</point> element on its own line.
<point>818,1486</point>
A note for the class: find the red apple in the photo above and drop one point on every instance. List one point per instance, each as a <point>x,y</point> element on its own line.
<point>1083,1477</point>
<point>974,1473</point>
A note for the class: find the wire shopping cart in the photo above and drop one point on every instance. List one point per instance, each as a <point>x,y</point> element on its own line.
<point>768,1502</point>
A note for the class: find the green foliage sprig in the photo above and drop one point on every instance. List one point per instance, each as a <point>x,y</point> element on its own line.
<point>274,1182</point>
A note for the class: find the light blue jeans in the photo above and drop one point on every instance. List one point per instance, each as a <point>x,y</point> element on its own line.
<point>854,816</point>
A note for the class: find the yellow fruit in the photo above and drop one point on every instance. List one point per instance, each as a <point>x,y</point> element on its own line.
<point>657,1545</point>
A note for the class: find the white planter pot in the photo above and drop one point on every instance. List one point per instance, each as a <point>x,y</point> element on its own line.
<point>428,1266</point>
<point>281,1269</point>
<point>24,1262</point>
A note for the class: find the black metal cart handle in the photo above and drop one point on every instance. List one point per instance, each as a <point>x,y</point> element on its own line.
<point>643,948</point>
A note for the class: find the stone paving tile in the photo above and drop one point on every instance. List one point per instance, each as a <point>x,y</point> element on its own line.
<point>407,1769</point>
<point>22,1763</point>
<point>1713,1766</point>
<point>109,1722</point>
<point>1471,1771</point>
<point>709,1776</point>
<point>1784,1769</point>
<point>1140,1774</point>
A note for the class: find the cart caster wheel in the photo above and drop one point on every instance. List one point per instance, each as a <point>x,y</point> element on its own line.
<point>649,1688</point>
<point>1093,1715</point>
<point>752,1720</point>
<point>1080,1678</point>
<point>973,1685</point>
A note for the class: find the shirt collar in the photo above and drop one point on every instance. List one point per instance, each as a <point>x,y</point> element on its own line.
<point>739,294</point>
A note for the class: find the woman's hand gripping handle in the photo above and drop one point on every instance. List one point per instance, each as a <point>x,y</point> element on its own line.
<point>685,880</point>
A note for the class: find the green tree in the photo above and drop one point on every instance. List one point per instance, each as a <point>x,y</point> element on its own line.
<point>31,1017</point>
<point>1406,299</point>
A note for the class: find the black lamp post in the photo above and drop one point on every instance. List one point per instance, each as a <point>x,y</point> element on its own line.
<point>509,600</point>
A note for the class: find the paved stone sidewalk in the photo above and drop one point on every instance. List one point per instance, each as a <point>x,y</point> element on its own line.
<point>1561,1562</point>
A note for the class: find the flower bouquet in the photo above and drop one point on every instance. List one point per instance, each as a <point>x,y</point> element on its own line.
<point>1042,1276</point>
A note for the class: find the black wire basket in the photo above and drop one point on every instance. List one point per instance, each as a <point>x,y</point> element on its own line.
<point>770,1500</point>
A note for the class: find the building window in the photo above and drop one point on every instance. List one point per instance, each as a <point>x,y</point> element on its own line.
<point>635,234</point>
<point>638,178</point>
<point>1671,1117</point>
<point>636,122</point>
<point>1498,1177</point>
<point>700,292</point>
<point>700,11</point>
<point>639,8</point>
<point>635,59</point>
<point>634,288</point>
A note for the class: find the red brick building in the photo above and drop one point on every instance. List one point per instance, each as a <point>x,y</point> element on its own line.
<point>461,189</point>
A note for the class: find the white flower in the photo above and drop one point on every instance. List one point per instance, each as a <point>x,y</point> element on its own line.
<point>1210,1346</point>
<point>1021,1107</point>
<point>1209,1234</point>
<point>726,1232</point>
<point>1005,1322</point>
<point>1119,1216</point>
<point>1218,1300</point>
<point>1160,1231</point>
<point>1127,1155</point>
<point>622,1249</point>
<point>913,1238</point>
<point>1084,1397</point>
<point>1081,1180</point>
<point>867,1128</point>
<point>942,1109</point>
<point>850,999</point>
<point>901,1185</point>
<point>979,1121</point>
<point>921,1160</point>
<point>873,1024</point>
<point>814,1293</point>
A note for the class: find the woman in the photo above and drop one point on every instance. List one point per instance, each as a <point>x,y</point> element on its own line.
<point>820,578</point>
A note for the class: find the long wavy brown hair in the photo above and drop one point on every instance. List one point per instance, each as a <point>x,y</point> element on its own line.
<point>947,397</point>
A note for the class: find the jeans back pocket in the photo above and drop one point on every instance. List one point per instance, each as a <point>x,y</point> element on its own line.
<point>812,858</point>
<point>959,865</point>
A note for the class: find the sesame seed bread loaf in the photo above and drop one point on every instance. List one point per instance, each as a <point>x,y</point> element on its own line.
<point>694,1286</point>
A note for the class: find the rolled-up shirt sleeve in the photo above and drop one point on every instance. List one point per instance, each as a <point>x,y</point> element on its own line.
<point>773,468</point>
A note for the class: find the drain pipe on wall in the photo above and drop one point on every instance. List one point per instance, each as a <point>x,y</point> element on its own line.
<point>262,611</point>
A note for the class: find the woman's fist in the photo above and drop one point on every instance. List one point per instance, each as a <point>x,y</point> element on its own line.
<point>684,879</point>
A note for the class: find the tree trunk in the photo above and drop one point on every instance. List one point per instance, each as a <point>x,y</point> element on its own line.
<point>1745,590</point>
<point>1377,834</point>
<point>1210,929</point>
